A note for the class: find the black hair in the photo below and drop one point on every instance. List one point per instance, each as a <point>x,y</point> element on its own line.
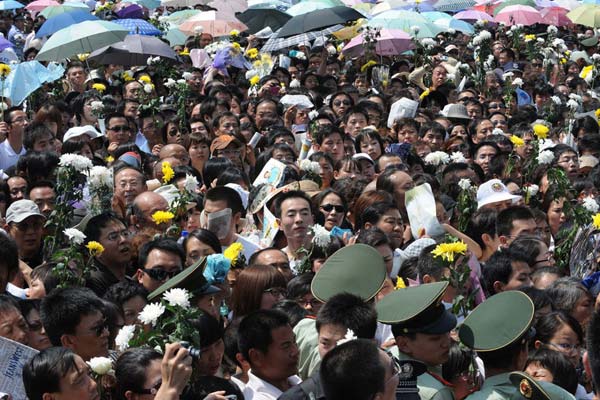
<point>43,372</point>
<point>130,369</point>
<point>213,168</point>
<point>373,213</point>
<point>44,272</point>
<point>37,165</point>
<point>539,297</point>
<point>373,237</point>
<point>459,361</point>
<point>547,326</point>
<point>206,237</point>
<point>123,291</point>
<point>62,310</point>
<point>294,311</point>
<point>481,222</point>
<point>228,195</point>
<point>324,131</point>
<point>292,194</point>
<point>233,175</point>
<point>299,285</point>
<point>563,372</point>
<point>209,329</point>
<point>350,312</point>
<point>528,247</point>
<point>366,134</point>
<point>506,217</point>
<point>164,244</point>
<point>497,269</point>
<point>593,348</point>
<point>255,330</point>
<point>9,254</point>
<point>99,222</point>
<point>427,265</point>
<point>35,132</point>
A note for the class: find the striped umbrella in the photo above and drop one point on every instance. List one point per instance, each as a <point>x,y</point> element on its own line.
<point>274,44</point>
<point>453,5</point>
<point>138,27</point>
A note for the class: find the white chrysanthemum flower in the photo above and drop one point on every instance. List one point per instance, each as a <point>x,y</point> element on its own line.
<point>170,83</point>
<point>321,236</point>
<point>575,97</point>
<point>315,167</point>
<point>187,76</point>
<point>458,157</point>
<point>437,158</point>
<point>3,106</point>
<point>415,29</point>
<point>74,235</point>
<point>181,81</point>
<point>573,104</point>
<point>497,131</point>
<point>191,183</point>
<point>313,114</point>
<point>149,61</point>
<point>596,57</point>
<point>465,184</point>
<point>349,336</point>
<point>251,73</point>
<point>97,106</point>
<point>552,29</point>
<point>100,365</point>
<point>198,29</point>
<point>80,163</point>
<point>545,157</point>
<point>148,88</point>
<point>540,40</point>
<point>151,313</point>
<point>428,42</point>
<point>124,336</point>
<point>100,176</point>
<point>178,297</point>
<point>163,18</point>
<point>532,190</point>
<point>300,55</point>
<point>507,75</point>
<point>556,100</point>
<point>590,204</point>
<point>517,82</point>
<point>451,31</point>
<point>331,50</point>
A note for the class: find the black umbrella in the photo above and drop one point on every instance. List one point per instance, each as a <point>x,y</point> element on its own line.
<point>134,50</point>
<point>259,18</point>
<point>318,19</point>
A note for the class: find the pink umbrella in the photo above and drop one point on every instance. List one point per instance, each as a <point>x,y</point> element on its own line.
<point>519,14</point>
<point>391,42</point>
<point>473,15</point>
<point>214,22</point>
<point>39,5</point>
<point>555,16</point>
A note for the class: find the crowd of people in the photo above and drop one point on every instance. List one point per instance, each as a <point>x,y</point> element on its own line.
<point>302,224</point>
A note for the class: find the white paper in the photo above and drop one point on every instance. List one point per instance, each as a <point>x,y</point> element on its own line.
<point>272,173</point>
<point>403,108</point>
<point>420,206</point>
<point>13,357</point>
<point>270,228</point>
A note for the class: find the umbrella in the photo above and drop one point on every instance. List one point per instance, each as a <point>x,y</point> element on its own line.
<point>312,5</point>
<point>131,11</point>
<point>405,20</point>
<point>26,77</point>
<point>139,27</point>
<point>4,44</point>
<point>567,4</point>
<point>348,32</point>
<point>83,37</point>
<point>587,14</point>
<point>508,3</point>
<point>134,50</point>
<point>10,5</point>
<point>514,15</point>
<point>318,20</point>
<point>456,24</point>
<point>433,16</point>
<point>179,17</point>
<point>453,5</point>
<point>390,42</point>
<point>62,21</point>
<point>51,11</point>
<point>555,16</point>
<point>590,2</point>
<point>274,44</point>
<point>473,15</point>
<point>39,5</point>
<point>182,3</point>
<point>214,22</point>
<point>258,18</point>
<point>149,4</point>
<point>176,37</point>
<point>229,7</point>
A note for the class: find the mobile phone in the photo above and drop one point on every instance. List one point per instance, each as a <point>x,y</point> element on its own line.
<point>231,397</point>
<point>339,232</point>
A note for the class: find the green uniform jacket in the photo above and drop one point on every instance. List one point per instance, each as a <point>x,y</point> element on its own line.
<point>307,340</point>
<point>499,387</point>
<point>430,388</point>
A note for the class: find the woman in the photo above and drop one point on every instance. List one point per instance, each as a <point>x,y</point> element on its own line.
<point>326,163</point>
<point>347,167</point>
<point>257,288</point>
<point>199,150</point>
<point>50,116</point>
<point>484,153</point>
<point>368,141</point>
<point>82,107</point>
<point>200,243</point>
<point>560,332</point>
<point>569,295</point>
<point>36,335</point>
<point>332,208</point>
<point>386,217</point>
<point>340,102</point>
<point>553,207</point>
<point>407,130</point>
<point>174,133</point>
<point>534,250</point>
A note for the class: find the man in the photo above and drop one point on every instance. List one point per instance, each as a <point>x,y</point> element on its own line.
<point>43,195</point>
<point>434,135</point>
<point>354,121</point>
<point>16,34</point>
<point>76,77</point>
<point>17,187</point>
<point>12,147</point>
<point>493,194</point>
<point>129,183</point>
<point>267,342</point>
<point>118,131</point>
<point>131,90</point>
<point>513,222</point>
<point>228,147</point>
<point>498,330</point>
<point>266,110</point>
<point>504,271</point>
<point>421,326</point>
<point>159,260</point>
<point>110,266</point>
<point>38,137</point>
<point>293,211</point>
<point>74,318</point>
<point>275,258</point>
<point>218,200</point>
<point>25,224</point>
<point>177,151</point>
<point>144,206</point>
<point>149,135</point>
<point>330,140</point>
<point>226,123</point>
<point>396,183</point>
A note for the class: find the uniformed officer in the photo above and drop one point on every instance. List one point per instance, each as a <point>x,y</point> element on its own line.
<point>421,326</point>
<point>531,389</point>
<point>499,330</point>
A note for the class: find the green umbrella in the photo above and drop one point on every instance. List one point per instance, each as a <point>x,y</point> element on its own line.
<point>587,14</point>
<point>83,37</point>
<point>176,37</point>
<point>178,17</point>
<point>51,11</point>
<point>514,3</point>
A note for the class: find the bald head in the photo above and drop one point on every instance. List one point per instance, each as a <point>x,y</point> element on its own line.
<point>175,151</point>
<point>146,204</point>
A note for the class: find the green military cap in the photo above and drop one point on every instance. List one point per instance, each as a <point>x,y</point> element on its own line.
<point>497,322</point>
<point>417,309</point>
<point>358,269</point>
<point>531,389</point>
<point>590,42</point>
<point>191,278</point>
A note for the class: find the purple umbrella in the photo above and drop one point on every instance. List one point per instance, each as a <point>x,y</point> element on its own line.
<point>473,15</point>
<point>133,12</point>
<point>4,44</point>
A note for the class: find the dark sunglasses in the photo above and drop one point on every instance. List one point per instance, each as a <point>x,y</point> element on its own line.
<point>120,128</point>
<point>496,105</point>
<point>159,274</point>
<point>153,390</point>
<point>466,99</point>
<point>338,103</point>
<point>330,207</point>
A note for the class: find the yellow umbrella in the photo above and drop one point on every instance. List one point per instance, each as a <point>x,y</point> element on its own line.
<point>587,14</point>
<point>350,31</point>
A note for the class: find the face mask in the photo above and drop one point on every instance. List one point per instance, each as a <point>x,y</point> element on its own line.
<point>217,222</point>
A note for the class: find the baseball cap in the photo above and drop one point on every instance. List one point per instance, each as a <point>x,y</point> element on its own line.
<point>362,156</point>
<point>222,142</point>
<point>493,191</point>
<point>77,131</point>
<point>21,210</point>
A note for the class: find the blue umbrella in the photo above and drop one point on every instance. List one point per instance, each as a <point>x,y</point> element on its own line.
<point>149,4</point>
<point>27,77</point>
<point>139,27</point>
<point>60,21</point>
<point>4,44</point>
<point>10,5</point>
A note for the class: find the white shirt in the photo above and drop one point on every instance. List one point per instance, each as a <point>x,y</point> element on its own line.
<point>257,389</point>
<point>8,157</point>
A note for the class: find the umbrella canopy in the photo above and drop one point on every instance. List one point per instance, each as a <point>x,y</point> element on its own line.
<point>473,15</point>
<point>149,4</point>
<point>259,18</point>
<point>406,21</point>
<point>453,5</point>
<point>178,17</point>
<point>587,14</point>
<point>26,77</point>
<point>83,37</point>
<point>508,3</point>
<point>131,11</point>
<point>555,16</point>
<point>51,11</point>
<point>318,20</point>
<point>64,20</point>
<point>139,27</point>
<point>134,50</point>
<point>455,24</point>
<point>39,5</point>
<point>10,5</point>
<point>4,44</point>
<point>312,5</point>
<point>214,22</point>
<point>230,7</point>
<point>390,42</point>
<point>590,2</point>
<point>274,44</point>
<point>568,4</point>
<point>433,16</point>
<point>514,15</point>
<point>183,3</point>
<point>176,37</point>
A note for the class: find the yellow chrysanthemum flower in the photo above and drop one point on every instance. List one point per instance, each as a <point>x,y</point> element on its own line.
<point>400,284</point>
<point>185,52</point>
<point>167,171</point>
<point>563,60</point>
<point>530,37</point>
<point>145,79</point>
<point>448,250</point>
<point>517,141</point>
<point>95,248</point>
<point>424,94</point>
<point>162,217</point>
<point>252,53</point>
<point>541,131</point>
<point>367,65</point>
<point>4,70</point>
<point>83,56</point>
<point>233,252</point>
<point>585,71</point>
<point>596,221</point>
<point>109,159</point>
<point>235,46</point>
<point>234,32</point>
<point>127,77</point>
<point>254,80</point>
<point>99,87</point>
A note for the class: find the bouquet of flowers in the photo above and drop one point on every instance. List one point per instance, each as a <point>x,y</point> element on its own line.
<point>320,238</point>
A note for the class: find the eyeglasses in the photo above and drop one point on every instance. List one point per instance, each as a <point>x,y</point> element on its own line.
<point>25,226</point>
<point>114,236</point>
<point>159,274</point>
<point>120,128</point>
<point>395,370</point>
<point>338,103</point>
<point>331,207</point>
<point>173,133</point>
<point>466,99</point>
<point>153,390</point>
<point>276,292</point>
<point>312,302</point>
<point>537,65</point>
<point>496,105</point>
<point>566,347</point>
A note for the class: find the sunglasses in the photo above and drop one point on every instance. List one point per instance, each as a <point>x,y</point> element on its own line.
<point>25,226</point>
<point>496,105</point>
<point>466,99</point>
<point>159,274</point>
<point>338,103</point>
<point>330,207</point>
<point>153,390</point>
<point>120,128</point>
